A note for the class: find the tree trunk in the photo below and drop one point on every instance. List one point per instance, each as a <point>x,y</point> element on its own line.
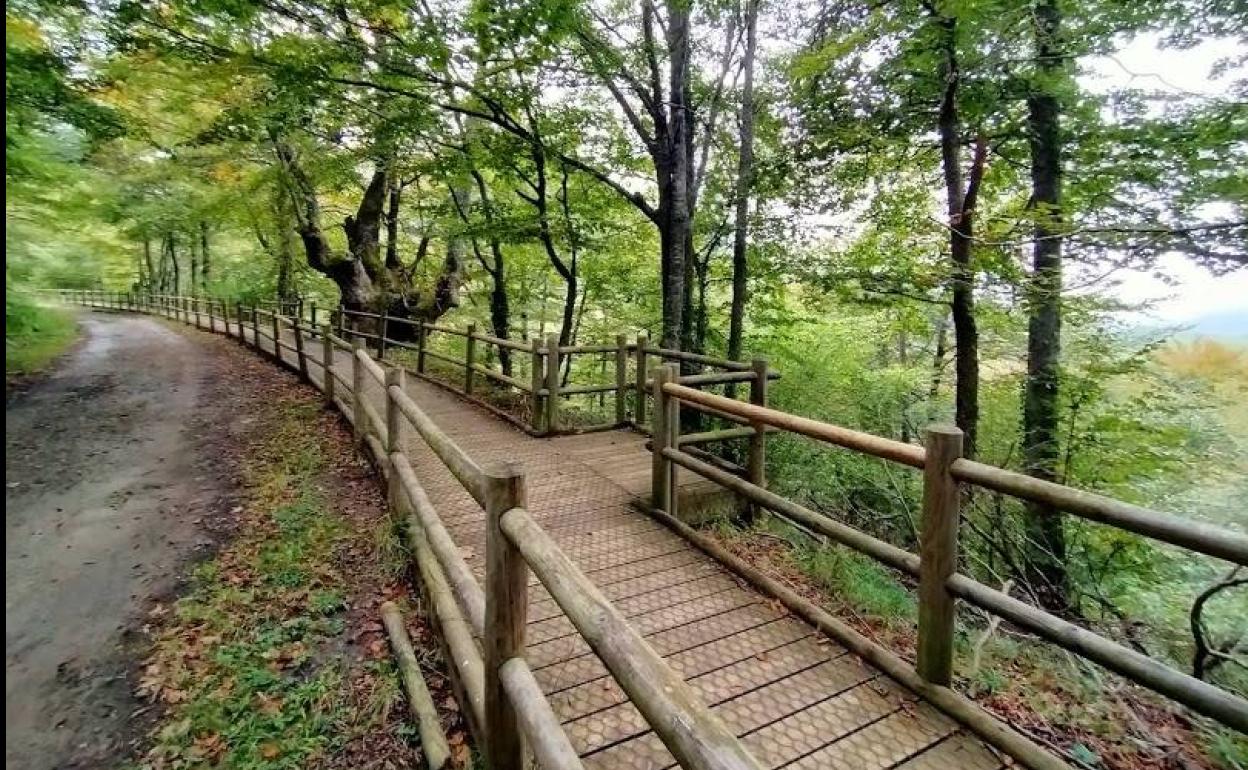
<point>960,205</point>
<point>676,231</point>
<point>1046,558</point>
<point>193,282</point>
<point>745,173</point>
<point>149,268</point>
<point>204,262</point>
<point>364,279</point>
<point>173,261</point>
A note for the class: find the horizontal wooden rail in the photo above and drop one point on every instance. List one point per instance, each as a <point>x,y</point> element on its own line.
<point>502,343</point>
<point>942,472</point>
<point>1201,697</point>
<point>698,358</point>
<point>547,739</point>
<point>493,374</point>
<point>694,735</point>
<point>1203,538</point>
<point>455,459</point>
<point>459,574</point>
<point>372,367</point>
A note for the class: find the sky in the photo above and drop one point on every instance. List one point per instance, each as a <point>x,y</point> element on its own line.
<point>1194,293</point>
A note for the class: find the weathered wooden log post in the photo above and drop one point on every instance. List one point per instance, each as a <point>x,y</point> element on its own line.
<point>357,392</point>
<point>506,615</point>
<point>394,417</point>
<point>470,358</point>
<point>621,379</point>
<point>938,554</point>
<point>552,383</point>
<point>342,321</point>
<point>297,327</point>
<point>327,364</point>
<point>277,334</point>
<point>381,337</point>
<point>255,327</point>
<point>422,339</point>
<point>238,316</point>
<point>756,463</point>
<point>660,436</point>
<point>639,413</point>
<point>312,315</point>
<point>537,380</point>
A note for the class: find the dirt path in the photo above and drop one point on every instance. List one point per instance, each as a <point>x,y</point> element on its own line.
<point>112,484</point>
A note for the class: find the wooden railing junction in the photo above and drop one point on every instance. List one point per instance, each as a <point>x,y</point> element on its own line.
<point>484,629</point>
<point>506,701</point>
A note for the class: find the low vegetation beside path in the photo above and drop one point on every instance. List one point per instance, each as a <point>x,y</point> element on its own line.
<point>34,334</point>
<point>275,657</point>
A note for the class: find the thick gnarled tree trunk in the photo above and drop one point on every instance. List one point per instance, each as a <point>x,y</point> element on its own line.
<point>365,280</point>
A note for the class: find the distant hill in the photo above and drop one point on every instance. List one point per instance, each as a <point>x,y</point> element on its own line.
<point>1226,325</point>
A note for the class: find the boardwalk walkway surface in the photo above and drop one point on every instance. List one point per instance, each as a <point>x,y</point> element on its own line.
<point>795,698</point>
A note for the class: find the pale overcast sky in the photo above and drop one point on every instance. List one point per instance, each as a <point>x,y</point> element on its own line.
<point>1196,293</point>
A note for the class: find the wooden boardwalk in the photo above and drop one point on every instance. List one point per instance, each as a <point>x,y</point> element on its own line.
<point>795,698</point>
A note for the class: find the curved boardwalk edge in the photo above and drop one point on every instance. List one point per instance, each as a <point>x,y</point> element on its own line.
<point>792,697</point>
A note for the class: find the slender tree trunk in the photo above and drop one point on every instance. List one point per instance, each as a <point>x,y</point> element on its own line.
<point>938,365</point>
<point>745,174</point>
<point>173,261</point>
<point>960,205</point>
<point>193,277</point>
<point>204,262</point>
<point>149,267</point>
<point>1047,543</point>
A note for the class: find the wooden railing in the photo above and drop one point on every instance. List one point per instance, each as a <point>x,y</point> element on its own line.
<point>484,629</point>
<point>940,585</point>
<point>544,390</point>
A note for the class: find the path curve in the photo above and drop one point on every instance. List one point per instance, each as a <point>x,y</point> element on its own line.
<point>109,475</point>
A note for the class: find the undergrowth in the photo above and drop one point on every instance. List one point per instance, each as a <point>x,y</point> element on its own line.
<point>247,667</point>
<point>1095,719</point>
<point>34,334</point>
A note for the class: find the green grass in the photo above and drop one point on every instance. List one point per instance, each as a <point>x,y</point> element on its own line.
<point>34,335</point>
<point>248,666</point>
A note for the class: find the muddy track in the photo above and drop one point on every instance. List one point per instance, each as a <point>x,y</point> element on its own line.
<point>114,481</point>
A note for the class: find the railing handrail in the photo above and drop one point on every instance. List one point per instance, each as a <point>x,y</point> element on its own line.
<point>1197,536</point>
<point>939,542</point>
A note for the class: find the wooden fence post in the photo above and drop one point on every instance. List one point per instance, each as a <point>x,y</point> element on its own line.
<point>299,354</point>
<point>394,417</point>
<point>422,337</point>
<point>381,337</point>
<point>470,358</point>
<point>621,379</point>
<point>661,434</point>
<point>506,614</point>
<point>255,328</point>
<point>552,383</point>
<point>756,464</point>
<point>327,364</point>
<point>342,321</point>
<point>639,414</point>
<point>537,380</point>
<point>312,309</point>
<point>938,555</point>
<point>357,392</point>
<point>238,317</point>
<point>277,333</point>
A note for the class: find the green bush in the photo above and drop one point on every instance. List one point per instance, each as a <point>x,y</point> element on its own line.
<point>33,334</point>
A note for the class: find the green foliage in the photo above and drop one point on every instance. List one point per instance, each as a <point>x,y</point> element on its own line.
<point>34,334</point>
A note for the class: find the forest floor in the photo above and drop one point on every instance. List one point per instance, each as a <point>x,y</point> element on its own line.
<point>194,560</point>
